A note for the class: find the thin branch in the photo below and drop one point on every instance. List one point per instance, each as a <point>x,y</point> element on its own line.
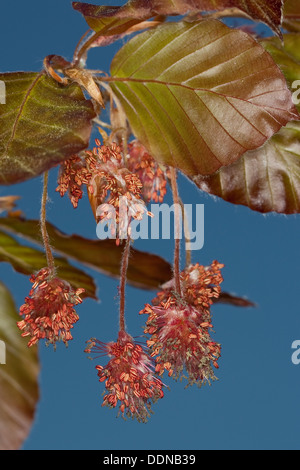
<point>77,48</point>
<point>82,50</point>
<point>123,277</point>
<point>176,200</point>
<point>187,236</point>
<point>45,236</point>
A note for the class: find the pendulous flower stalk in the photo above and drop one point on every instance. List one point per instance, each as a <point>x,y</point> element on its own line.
<point>44,232</point>
<point>123,276</point>
<point>48,311</point>
<point>177,230</point>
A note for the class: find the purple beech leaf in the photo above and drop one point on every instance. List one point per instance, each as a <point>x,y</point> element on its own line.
<point>116,20</point>
<point>42,123</point>
<point>19,389</point>
<point>112,20</point>
<point>267,179</point>
<point>292,9</point>
<point>291,19</point>
<point>234,300</point>
<point>199,95</point>
<point>145,270</point>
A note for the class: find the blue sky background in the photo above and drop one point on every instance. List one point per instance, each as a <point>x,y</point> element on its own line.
<point>255,404</point>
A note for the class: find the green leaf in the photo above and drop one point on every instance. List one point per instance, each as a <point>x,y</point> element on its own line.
<point>199,95</point>
<point>27,260</point>
<point>42,123</point>
<point>287,55</point>
<point>19,390</point>
<point>145,270</point>
<point>116,20</point>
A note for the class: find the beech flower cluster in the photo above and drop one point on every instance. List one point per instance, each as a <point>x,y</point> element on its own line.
<point>179,324</point>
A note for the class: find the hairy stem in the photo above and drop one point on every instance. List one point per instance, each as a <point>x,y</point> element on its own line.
<point>45,236</point>
<point>82,50</point>
<point>79,44</point>
<point>123,276</point>
<point>188,253</point>
<point>176,200</point>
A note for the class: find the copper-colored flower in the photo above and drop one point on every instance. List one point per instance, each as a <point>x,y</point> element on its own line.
<point>180,326</point>
<point>112,183</point>
<point>200,286</point>
<point>149,172</point>
<point>107,171</point>
<point>48,312</point>
<point>180,340</point>
<point>129,378</point>
<point>72,175</point>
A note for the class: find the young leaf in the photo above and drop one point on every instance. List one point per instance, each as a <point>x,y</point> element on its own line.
<point>199,95</point>
<point>231,299</point>
<point>27,260</point>
<point>292,9</point>
<point>42,123</point>
<point>145,270</point>
<point>291,19</point>
<point>286,54</point>
<point>116,20</point>
<point>19,390</point>
<point>112,20</point>
<point>267,11</point>
<point>266,180</point>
